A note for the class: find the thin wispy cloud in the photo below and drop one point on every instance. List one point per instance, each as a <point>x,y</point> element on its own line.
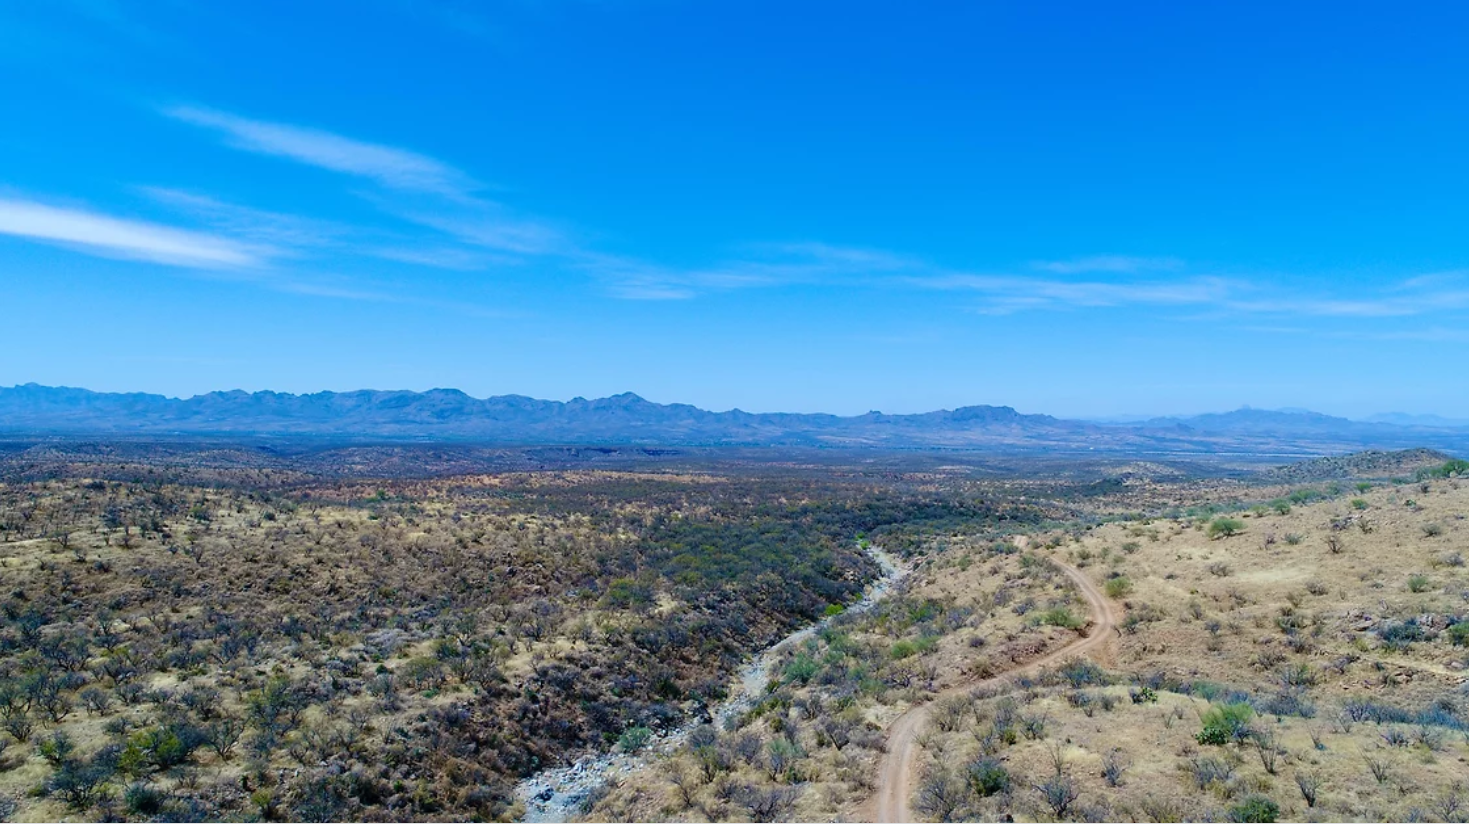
<point>414,187</point>
<point>298,236</point>
<point>461,260</point>
<point>203,255</point>
<point>389,166</point>
<point>766,265</point>
<point>1122,264</point>
<point>1414,296</point>
<point>118,237</point>
<point>247,223</point>
<point>632,279</point>
<point>431,194</point>
<point>475,233</point>
<point>490,226</point>
<point>1011,293</point>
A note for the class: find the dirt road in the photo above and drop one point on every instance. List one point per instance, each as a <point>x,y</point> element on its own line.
<point>895,773</point>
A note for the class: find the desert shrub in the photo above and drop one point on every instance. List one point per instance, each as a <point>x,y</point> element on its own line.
<point>949,713</point>
<point>1400,635</point>
<point>1310,786</point>
<point>1207,770</point>
<point>1447,470</point>
<point>903,649</point>
<point>1299,674</point>
<point>1081,672</point>
<point>801,669</point>
<point>1459,633</point>
<point>143,800</point>
<point>1380,768</point>
<point>1254,808</point>
<point>1359,504</point>
<point>1294,538</point>
<point>1114,764</point>
<point>634,739</point>
<point>1118,587</point>
<point>79,782</point>
<point>781,756</point>
<point>1288,702</point>
<point>1378,712</point>
<point>159,748</point>
<point>1224,723</point>
<point>1060,617</point>
<point>1060,793</point>
<point>940,794</point>
<point>1432,530</point>
<point>767,803</point>
<point>1303,496</point>
<point>56,748</point>
<point>986,777</point>
<point>1419,582</point>
<point>1223,527</point>
<point>1034,726</point>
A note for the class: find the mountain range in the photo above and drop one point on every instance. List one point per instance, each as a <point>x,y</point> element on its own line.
<point>32,411</point>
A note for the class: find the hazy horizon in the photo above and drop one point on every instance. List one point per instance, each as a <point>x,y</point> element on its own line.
<point>1116,418</point>
<point>1109,211</point>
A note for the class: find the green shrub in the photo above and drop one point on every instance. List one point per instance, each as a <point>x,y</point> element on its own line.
<point>144,801</point>
<point>1281,506</point>
<point>1118,587</point>
<point>1459,634</point>
<point>1419,583</point>
<point>987,776</point>
<point>634,739</point>
<point>1449,469</point>
<point>1255,808</point>
<point>1359,503</point>
<point>1060,617</point>
<point>57,749</point>
<point>1222,527</point>
<point>1301,496</point>
<point>1224,723</point>
<point>624,593</point>
<point>801,669</point>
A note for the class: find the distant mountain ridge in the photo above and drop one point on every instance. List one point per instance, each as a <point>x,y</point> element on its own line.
<point>450,415</point>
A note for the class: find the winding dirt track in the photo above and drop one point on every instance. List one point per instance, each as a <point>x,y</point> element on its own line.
<point>895,774</point>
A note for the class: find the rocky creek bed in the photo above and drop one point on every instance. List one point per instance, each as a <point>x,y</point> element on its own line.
<point>558,793</point>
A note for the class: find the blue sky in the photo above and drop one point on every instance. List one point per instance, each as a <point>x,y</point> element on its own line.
<point>1081,209</point>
